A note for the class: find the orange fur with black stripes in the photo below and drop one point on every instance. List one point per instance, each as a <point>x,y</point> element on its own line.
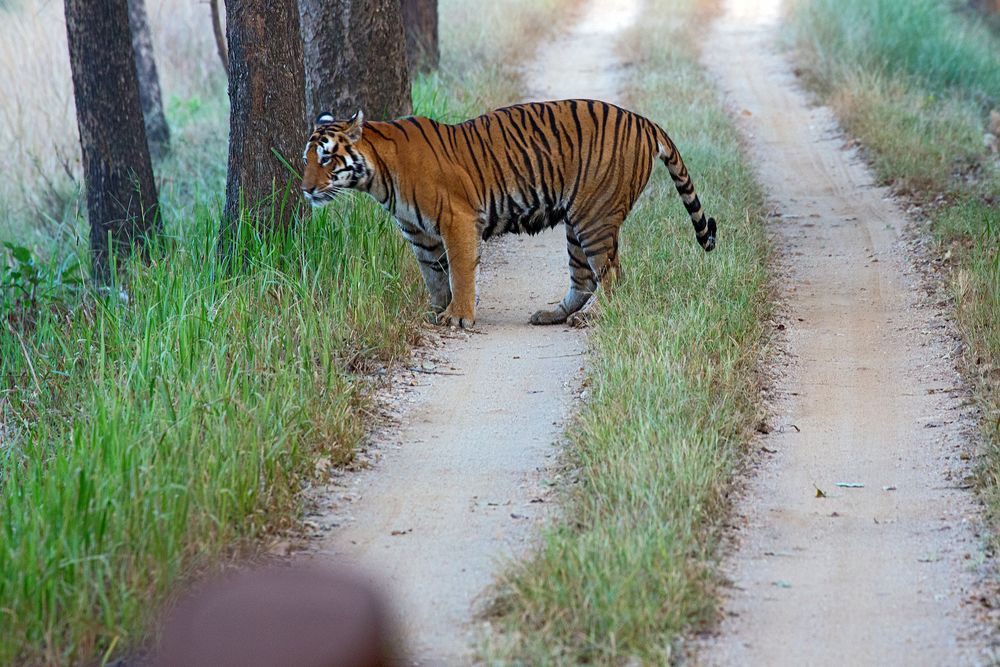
<point>519,169</point>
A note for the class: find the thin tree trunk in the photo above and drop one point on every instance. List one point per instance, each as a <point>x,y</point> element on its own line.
<point>267,112</point>
<point>220,35</point>
<point>355,58</point>
<point>420,20</point>
<point>157,131</point>
<point>121,193</point>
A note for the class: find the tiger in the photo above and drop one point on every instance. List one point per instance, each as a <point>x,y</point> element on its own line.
<point>518,169</point>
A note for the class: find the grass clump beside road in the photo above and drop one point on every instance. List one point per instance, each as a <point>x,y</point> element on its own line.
<point>672,392</point>
<point>915,82</point>
<point>143,440</point>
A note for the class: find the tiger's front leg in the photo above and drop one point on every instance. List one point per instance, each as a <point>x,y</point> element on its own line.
<point>461,240</point>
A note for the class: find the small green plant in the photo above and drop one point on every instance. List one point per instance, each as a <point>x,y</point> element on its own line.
<point>22,275</point>
<point>30,284</point>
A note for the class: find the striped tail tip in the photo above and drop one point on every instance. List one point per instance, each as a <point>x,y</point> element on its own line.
<point>708,241</point>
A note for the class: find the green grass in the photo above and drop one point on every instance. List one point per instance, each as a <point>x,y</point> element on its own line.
<point>915,82</point>
<point>144,440</point>
<point>630,566</point>
<point>925,41</point>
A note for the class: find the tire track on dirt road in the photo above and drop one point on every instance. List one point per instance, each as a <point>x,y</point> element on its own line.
<point>867,393</point>
<point>451,493</point>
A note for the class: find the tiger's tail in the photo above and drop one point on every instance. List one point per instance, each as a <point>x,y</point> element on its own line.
<point>704,227</point>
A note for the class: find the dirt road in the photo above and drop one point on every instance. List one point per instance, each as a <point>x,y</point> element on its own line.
<point>457,486</point>
<point>868,395</point>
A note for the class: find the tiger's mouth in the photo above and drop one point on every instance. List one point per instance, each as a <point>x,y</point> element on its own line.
<point>322,197</point>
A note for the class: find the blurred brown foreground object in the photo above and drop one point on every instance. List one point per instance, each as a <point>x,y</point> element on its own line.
<point>279,618</point>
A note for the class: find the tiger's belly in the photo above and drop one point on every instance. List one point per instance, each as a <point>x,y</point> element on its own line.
<point>513,218</point>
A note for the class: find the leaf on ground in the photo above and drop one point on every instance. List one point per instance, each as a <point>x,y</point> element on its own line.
<point>820,493</point>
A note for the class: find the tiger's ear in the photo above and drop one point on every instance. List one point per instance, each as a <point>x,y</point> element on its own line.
<point>354,126</point>
<point>323,118</point>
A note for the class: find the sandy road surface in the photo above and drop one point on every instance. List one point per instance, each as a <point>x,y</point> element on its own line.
<point>453,491</point>
<point>868,394</point>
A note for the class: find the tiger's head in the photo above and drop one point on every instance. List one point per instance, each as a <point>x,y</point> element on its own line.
<point>332,161</point>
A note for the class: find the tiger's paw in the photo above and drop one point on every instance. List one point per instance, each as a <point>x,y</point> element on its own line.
<point>450,318</point>
<point>556,316</point>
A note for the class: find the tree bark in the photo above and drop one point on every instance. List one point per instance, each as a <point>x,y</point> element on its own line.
<point>118,174</point>
<point>355,57</point>
<point>420,20</point>
<point>267,112</point>
<point>157,131</point>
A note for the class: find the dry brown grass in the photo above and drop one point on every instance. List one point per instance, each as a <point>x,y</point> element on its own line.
<point>489,41</point>
<point>38,119</point>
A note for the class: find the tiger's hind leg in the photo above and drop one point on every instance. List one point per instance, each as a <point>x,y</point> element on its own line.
<point>582,284</point>
<point>599,243</point>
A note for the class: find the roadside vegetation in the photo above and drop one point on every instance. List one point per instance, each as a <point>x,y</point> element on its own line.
<point>918,84</point>
<point>672,391</point>
<point>150,430</point>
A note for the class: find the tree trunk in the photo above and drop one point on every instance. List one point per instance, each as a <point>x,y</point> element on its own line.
<point>420,20</point>
<point>267,112</point>
<point>121,193</point>
<point>355,58</point>
<point>157,132</point>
